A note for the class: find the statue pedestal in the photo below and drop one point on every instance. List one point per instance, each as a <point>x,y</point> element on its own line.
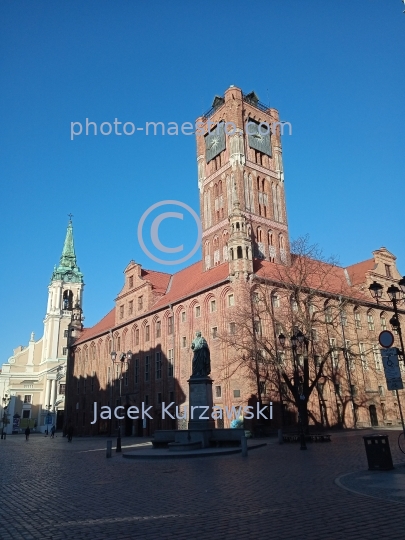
<point>200,396</point>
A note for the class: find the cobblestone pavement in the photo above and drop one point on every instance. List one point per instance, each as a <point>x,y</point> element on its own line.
<point>51,489</point>
<point>383,485</point>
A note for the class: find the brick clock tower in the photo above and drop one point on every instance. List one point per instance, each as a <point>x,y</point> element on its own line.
<point>241,183</point>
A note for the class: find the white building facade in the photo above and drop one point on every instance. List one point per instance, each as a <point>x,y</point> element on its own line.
<point>33,381</point>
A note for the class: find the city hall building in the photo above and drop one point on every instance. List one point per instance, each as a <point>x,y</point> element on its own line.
<point>245,254</point>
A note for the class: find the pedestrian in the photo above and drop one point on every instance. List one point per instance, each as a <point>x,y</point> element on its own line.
<point>52,432</point>
<point>70,433</point>
<point>27,433</point>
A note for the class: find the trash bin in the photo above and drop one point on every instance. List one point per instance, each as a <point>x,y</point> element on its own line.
<point>378,453</point>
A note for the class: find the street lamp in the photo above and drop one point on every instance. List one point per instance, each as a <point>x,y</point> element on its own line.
<point>6,401</point>
<point>395,295</point>
<point>121,360</point>
<point>295,340</point>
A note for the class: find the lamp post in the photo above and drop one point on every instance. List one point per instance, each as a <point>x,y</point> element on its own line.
<point>295,340</point>
<point>6,401</point>
<point>395,295</point>
<point>121,360</point>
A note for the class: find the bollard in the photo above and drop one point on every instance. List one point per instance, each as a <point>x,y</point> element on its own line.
<point>243,442</point>
<point>280,436</point>
<point>109,448</point>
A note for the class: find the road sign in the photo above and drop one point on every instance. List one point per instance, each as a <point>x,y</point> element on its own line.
<point>386,339</point>
<point>391,368</point>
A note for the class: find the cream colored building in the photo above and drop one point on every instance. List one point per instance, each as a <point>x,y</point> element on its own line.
<point>34,377</point>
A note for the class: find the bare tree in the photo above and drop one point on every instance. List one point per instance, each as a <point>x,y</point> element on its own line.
<point>282,324</point>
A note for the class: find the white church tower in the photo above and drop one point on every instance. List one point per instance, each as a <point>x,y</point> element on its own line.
<point>65,298</point>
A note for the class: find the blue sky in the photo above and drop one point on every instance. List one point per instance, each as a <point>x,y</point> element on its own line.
<point>335,70</point>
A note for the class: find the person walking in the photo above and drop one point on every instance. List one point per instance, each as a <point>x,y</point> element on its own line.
<point>27,433</point>
<point>52,432</point>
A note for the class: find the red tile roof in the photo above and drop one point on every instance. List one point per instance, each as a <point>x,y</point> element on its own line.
<point>159,280</point>
<point>191,280</point>
<point>101,327</point>
<point>357,272</point>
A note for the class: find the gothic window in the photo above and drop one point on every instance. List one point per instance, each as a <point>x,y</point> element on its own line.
<point>363,356</point>
<point>370,321</point>
<point>170,325</point>
<point>225,245</point>
<point>207,209</point>
<point>260,250</point>
<point>248,185</point>
<point>229,194</point>
<point>272,249</point>
<point>383,321</point>
<point>137,336</point>
<point>278,199</point>
<point>328,314</point>
<point>283,254</point>
<point>216,251</point>
<point>158,329</point>
<point>68,300</point>
<point>275,205</point>
<point>207,255</point>
<point>221,199</point>
<point>275,300</point>
<point>357,319</point>
<point>262,196</point>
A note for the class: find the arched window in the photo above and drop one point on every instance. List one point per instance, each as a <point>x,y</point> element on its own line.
<point>207,255</point>
<point>383,321</point>
<point>239,252</point>
<point>275,300</point>
<point>357,319</point>
<point>248,185</point>
<point>370,321</point>
<point>68,300</point>
<point>275,205</point>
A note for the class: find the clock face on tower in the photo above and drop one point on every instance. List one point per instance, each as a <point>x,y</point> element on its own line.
<point>215,142</point>
<point>259,139</point>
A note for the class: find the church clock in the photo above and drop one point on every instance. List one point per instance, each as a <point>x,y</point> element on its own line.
<point>215,142</point>
<point>258,138</point>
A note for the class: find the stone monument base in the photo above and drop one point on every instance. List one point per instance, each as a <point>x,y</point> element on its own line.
<point>200,395</point>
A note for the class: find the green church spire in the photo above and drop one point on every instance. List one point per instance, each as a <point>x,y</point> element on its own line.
<point>68,258</point>
<point>68,269</point>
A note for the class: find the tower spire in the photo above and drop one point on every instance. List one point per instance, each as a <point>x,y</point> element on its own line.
<point>68,258</point>
<point>67,269</point>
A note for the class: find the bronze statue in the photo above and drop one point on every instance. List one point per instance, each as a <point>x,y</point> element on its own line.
<point>201,358</point>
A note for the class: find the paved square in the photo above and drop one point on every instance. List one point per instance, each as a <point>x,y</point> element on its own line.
<point>53,489</point>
